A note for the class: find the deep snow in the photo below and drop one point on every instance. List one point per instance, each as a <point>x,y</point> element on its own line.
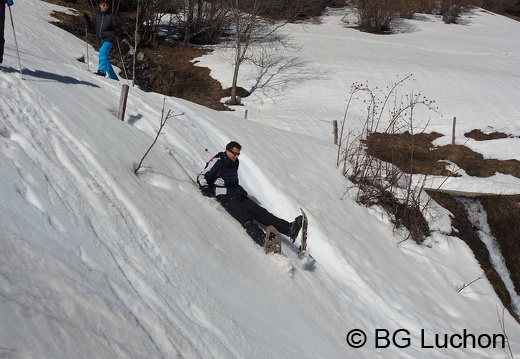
<point>99,263</point>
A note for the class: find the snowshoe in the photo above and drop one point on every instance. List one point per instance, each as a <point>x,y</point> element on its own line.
<point>273,240</point>
<point>303,242</point>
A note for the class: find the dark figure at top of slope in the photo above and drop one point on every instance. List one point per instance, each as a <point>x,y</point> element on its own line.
<point>107,31</point>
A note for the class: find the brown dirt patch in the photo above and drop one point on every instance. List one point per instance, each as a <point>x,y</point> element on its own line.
<point>174,74</point>
<point>478,135</point>
<point>416,154</point>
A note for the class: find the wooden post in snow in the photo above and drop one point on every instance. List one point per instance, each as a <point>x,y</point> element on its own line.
<point>453,131</point>
<point>335,131</point>
<point>122,102</point>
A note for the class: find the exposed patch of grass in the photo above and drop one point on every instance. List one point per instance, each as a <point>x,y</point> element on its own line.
<point>398,150</point>
<point>169,70</point>
<point>242,92</point>
<point>478,135</point>
<point>416,154</point>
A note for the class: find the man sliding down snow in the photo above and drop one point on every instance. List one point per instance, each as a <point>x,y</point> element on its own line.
<point>220,179</point>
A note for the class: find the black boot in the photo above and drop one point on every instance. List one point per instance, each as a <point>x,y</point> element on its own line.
<point>295,228</point>
<point>255,232</point>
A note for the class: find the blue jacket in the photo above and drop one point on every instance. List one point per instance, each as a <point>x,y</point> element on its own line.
<point>221,175</point>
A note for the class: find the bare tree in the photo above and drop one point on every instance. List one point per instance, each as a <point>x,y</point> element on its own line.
<point>203,21</point>
<point>256,35</point>
<point>149,18</point>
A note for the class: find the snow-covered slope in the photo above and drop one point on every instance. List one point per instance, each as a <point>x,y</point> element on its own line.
<point>99,263</point>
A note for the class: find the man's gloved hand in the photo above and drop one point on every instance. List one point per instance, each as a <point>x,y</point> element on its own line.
<point>206,191</point>
<point>9,2</point>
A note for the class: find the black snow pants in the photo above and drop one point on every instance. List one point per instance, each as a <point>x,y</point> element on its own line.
<point>246,211</point>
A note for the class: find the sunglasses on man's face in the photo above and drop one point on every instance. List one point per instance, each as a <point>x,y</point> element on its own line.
<point>236,154</point>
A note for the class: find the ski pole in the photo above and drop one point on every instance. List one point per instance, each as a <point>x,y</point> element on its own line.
<point>16,42</point>
<point>86,42</point>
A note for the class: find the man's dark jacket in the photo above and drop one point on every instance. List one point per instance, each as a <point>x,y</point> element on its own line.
<point>221,176</point>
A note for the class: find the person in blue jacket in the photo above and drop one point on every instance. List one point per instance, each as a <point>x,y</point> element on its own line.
<point>220,179</point>
<point>2,26</point>
<point>106,27</point>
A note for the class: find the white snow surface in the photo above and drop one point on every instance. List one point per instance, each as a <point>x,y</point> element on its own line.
<point>97,262</point>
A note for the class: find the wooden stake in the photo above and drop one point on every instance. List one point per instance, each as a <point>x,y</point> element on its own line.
<point>335,131</point>
<point>453,131</point>
<point>122,102</point>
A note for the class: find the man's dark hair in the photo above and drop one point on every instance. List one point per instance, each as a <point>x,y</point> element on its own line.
<point>233,144</point>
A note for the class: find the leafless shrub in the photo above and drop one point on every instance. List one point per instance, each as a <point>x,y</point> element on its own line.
<point>375,15</point>
<point>503,328</point>
<point>450,10</point>
<point>380,182</point>
<point>407,8</point>
<point>164,118</point>
<point>464,285</point>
